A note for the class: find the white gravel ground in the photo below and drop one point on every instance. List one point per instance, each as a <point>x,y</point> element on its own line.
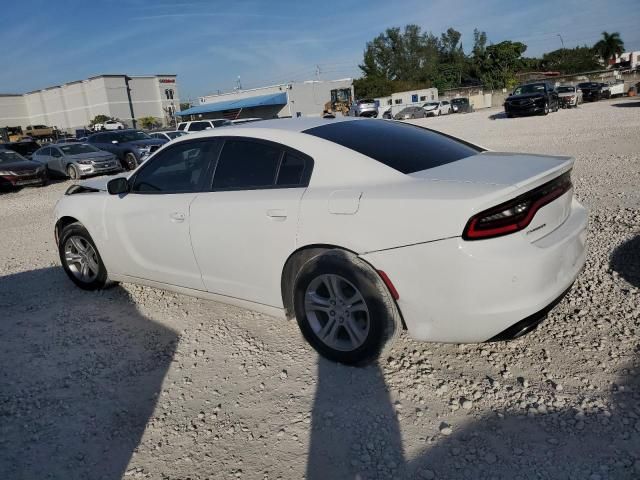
<point>139,383</point>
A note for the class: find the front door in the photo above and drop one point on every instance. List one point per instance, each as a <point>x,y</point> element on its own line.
<point>149,226</point>
<point>245,228</point>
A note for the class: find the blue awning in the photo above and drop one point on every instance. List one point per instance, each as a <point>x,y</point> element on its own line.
<point>259,101</point>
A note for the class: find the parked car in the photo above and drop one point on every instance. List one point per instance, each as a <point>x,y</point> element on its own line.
<point>199,125</point>
<point>26,148</point>
<point>132,147</point>
<point>67,140</point>
<point>616,89</point>
<point>289,223</point>
<point>387,114</point>
<point>76,160</point>
<point>240,121</point>
<point>591,91</point>
<point>363,108</point>
<point>532,98</point>
<point>569,96</point>
<point>461,105</point>
<point>167,134</point>
<point>408,113</point>
<point>18,171</point>
<point>435,109</point>
<point>108,125</point>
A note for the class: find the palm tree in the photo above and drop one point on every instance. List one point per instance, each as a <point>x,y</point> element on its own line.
<point>609,46</point>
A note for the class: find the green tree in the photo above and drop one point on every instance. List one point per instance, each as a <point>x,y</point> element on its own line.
<point>149,122</point>
<point>609,46</point>
<point>570,60</point>
<point>497,66</point>
<point>99,119</point>
<point>185,106</point>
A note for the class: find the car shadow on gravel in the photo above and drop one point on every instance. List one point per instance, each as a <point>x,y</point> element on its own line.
<point>625,261</point>
<point>80,375</point>
<point>627,104</point>
<point>355,434</point>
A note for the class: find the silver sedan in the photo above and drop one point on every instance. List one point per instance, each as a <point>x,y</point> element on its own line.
<point>76,160</point>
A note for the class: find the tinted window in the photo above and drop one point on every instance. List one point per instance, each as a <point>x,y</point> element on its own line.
<point>197,126</point>
<point>9,156</point>
<point>173,135</point>
<point>179,169</point>
<point>128,136</point>
<point>44,151</point>
<point>221,123</point>
<point>291,170</point>
<point>77,148</point>
<point>55,153</point>
<point>244,164</point>
<point>23,148</point>
<point>181,126</point>
<point>404,147</point>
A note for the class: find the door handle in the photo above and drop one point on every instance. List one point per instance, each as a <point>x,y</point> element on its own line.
<point>177,217</point>
<point>277,214</point>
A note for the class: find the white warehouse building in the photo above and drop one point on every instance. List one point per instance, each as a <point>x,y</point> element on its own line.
<point>295,99</point>
<point>73,105</point>
<point>400,100</point>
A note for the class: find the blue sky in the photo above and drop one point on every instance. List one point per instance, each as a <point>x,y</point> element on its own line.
<point>208,43</point>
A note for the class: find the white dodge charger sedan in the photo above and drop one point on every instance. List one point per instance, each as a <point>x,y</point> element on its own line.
<point>356,227</point>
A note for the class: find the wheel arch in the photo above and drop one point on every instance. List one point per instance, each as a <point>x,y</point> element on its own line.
<point>302,255</point>
<point>62,223</point>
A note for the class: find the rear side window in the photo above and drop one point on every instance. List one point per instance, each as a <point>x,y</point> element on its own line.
<point>401,146</point>
<point>291,170</point>
<point>181,126</point>
<point>197,126</point>
<point>245,164</point>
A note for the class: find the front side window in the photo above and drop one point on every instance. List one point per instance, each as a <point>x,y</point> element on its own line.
<point>244,164</point>
<point>179,169</point>
<point>55,152</point>
<point>130,136</point>
<point>181,126</point>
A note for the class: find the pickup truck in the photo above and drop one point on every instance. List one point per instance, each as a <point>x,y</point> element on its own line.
<point>39,131</point>
<point>616,89</point>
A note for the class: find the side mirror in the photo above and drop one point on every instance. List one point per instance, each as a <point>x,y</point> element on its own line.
<point>114,141</point>
<point>118,186</point>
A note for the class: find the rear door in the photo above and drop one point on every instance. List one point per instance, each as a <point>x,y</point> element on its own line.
<point>244,229</point>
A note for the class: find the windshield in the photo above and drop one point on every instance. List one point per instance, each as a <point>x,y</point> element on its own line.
<point>77,148</point>
<point>173,135</point>
<point>566,89</point>
<point>459,100</point>
<point>587,85</point>
<point>221,123</point>
<point>8,156</point>
<point>130,136</point>
<point>531,88</point>
<point>24,148</point>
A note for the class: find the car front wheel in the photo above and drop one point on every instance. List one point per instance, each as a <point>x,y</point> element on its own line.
<point>80,258</point>
<point>343,308</point>
<point>72,172</point>
<point>130,161</point>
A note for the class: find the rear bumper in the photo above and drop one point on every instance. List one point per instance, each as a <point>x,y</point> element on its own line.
<point>464,292</point>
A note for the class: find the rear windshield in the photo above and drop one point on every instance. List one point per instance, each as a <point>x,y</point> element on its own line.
<point>565,89</point>
<point>401,146</point>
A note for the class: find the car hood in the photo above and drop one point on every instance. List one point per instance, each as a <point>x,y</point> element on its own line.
<point>525,96</point>
<point>19,166</point>
<point>430,107</point>
<point>91,156</point>
<point>99,183</point>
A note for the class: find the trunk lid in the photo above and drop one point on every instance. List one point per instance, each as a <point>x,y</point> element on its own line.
<point>510,175</point>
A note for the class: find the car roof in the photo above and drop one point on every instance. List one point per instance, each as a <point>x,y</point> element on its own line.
<point>295,124</point>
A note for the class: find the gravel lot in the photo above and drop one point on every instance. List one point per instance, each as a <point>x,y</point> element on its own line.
<point>140,383</point>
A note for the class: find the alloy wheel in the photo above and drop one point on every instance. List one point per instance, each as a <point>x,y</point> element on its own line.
<point>337,312</point>
<point>81,259</point>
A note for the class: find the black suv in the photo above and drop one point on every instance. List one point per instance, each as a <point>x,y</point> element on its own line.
<point>592,91</point>
<point>532,98</point>
<point>132,147</point>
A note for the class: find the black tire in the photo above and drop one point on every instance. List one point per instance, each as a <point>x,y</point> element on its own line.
<point>557,107</point>
<point>72,172</point>
<point>545,111</point>
<point>78,230</point>
<point>384,319</point>
<point>130,161</point>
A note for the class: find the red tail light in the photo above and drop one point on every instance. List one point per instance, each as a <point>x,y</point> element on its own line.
<point>516,214</point>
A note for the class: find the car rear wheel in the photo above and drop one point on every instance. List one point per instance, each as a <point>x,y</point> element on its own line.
<point>72,172</point>
<point>80,258</point>
<point>130,161</point>
<point>344,310</point>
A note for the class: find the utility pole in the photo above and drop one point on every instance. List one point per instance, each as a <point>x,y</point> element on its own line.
<point>238,84</point>
<point>318,72</point>
<point>561,40</point>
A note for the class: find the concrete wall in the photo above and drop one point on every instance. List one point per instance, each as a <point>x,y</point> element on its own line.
<point>74,104</point>
<point>13,111</point>
<point>410,98</point>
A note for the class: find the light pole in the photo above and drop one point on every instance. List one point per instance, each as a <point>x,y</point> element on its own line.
<point>561,41</point>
